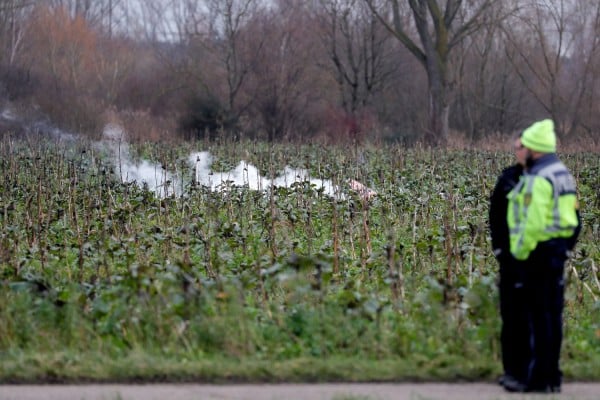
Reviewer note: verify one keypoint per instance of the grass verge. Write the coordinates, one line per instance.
(64, 367)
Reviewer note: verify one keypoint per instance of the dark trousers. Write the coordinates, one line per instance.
(544, 300)
(514, 334)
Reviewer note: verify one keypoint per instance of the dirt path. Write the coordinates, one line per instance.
(402, 391)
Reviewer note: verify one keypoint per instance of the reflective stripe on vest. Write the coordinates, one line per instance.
(562, 183)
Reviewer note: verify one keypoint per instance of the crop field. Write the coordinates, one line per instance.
(106, 277)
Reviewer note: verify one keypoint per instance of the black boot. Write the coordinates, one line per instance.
(513, 385)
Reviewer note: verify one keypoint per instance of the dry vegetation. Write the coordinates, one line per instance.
(325, 70)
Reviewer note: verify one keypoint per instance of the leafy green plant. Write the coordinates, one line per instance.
(90, 265)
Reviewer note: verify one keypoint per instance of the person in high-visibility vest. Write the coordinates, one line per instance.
(544, 223)
(514, 334)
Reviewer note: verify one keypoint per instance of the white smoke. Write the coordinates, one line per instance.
(8, 114)
(242, 175)
(247, 175)
(11, 120)
(145, 173)
(164, 183)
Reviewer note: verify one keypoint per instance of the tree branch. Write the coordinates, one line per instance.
(397, 30)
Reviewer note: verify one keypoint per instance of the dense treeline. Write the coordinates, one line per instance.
(333, 70)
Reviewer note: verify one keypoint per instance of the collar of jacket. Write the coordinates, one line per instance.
(542, 162)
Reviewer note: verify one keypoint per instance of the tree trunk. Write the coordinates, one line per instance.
(436, 133)
(433, 48)
(439, 111)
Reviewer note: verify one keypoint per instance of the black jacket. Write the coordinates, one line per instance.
(498, 207)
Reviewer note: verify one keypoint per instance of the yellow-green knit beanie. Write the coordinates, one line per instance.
(540, 137)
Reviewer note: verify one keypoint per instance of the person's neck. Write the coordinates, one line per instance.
(537, 155)
(534, 157)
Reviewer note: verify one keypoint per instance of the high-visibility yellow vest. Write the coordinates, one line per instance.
(542, 206)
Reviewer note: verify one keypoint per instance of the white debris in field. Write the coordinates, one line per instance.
(363, 191)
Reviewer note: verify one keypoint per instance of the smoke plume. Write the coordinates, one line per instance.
(164, 183)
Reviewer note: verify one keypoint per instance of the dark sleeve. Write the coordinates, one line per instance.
(498, 207)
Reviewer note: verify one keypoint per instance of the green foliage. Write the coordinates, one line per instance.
(89, 265)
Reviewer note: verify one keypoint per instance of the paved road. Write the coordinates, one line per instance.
(402, 391)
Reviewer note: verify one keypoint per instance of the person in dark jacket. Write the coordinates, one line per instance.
(514, 334)
(544, 223)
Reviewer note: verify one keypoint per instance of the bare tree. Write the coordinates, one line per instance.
(174, 21)
(13, 25)
(145, 19)
(555, 45)
(215, 30)
(588, 54)
(439, 29)
(97, 13)
(489, 97)
(281, 79)
(357, 48)
(230, 17)
(206, 46)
